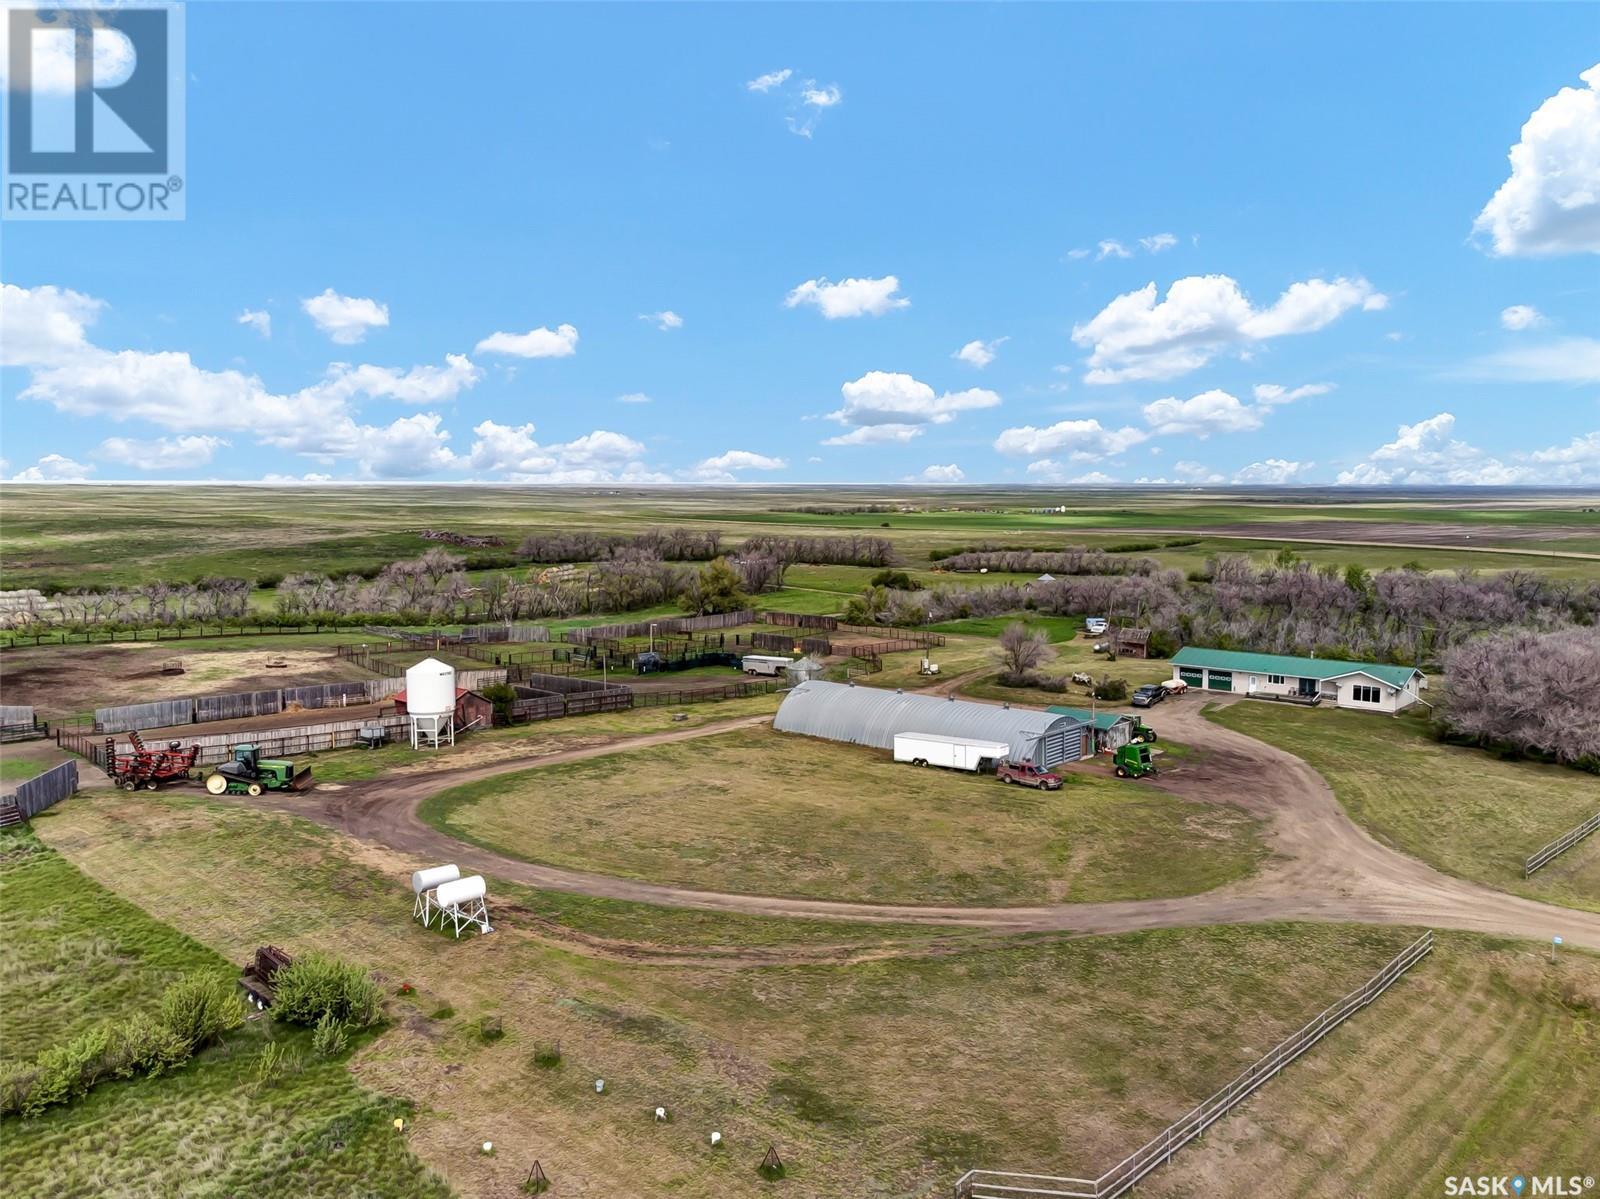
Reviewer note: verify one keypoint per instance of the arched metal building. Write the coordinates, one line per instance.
(873, 715)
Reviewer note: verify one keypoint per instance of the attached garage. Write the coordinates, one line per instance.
(1365, 686)
(873, 716)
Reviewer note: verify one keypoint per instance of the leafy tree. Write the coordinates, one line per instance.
(717, 589)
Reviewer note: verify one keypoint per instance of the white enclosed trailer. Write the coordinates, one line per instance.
(765, 664)
(955, 753)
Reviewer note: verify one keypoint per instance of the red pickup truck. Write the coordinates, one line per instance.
(1027, 774)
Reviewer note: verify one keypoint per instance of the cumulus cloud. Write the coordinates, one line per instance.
(722, 468)
(1138, 337)
(876, 435)
(1550, 204)
(1564, 360)
(53, 468)
(828, 96)
(345, 319)
(1084, 440)
(1213, 411)
(980, 353)
(665, 320)
(161, 453)
(258, 320)
(1520, 316)
(1428, 452)
(849, 297)
(561, 342)
(1158, 242)
(44, 325)
(511, 452)
(1048, 471)
(1272, 470)
(634, 397)
(772, 79)
(950, 473)
(1275, 395)
(892, 398)
(1112, 248)
(423, 384)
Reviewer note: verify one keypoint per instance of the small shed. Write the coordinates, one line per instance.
(1129, 642)
(1112, 730)
(473, 711)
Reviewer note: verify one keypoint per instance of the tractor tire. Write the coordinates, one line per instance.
(151, 785)
(253, 790)
(216, 784)
(1122, 772)
(129, 785)
(1150, 737)
(1154, 772)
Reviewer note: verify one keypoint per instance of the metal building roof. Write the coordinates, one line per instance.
(1309, 668)
(873, 715)
(1100, 720)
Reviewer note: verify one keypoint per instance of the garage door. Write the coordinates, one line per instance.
(1061, 745)
(1219, 680)
(1192, 675)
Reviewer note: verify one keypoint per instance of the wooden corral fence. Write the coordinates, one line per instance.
(669, 624)
(918, 638)
(42, 791)
(559, 696)
(1003, 1184)
(19, 723)
(18, 638)
(1545, 853)
(284, 743)
(783, 642)
(800, 620)
(698, 695)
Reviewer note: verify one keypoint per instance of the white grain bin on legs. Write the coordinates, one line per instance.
(431, 702)
(423, 883)
(461, 902)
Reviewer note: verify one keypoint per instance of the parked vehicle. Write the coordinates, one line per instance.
(764, 664)
(251, 774)
(953, 753)
(1148, 696)
(1175, 687)
(1143, 733)
(1095, 625)
(146, 767)
(1134, 761)
(1027, 774)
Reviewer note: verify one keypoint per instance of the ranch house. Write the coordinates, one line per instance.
(1366, 686)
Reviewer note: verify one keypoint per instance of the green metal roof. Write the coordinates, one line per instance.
(1308, 668)
(1100, 720)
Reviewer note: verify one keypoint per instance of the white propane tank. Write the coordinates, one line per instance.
(460, 891)
(427, 880)
(430, 688)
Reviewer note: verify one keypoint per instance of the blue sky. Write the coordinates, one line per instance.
(990, 243)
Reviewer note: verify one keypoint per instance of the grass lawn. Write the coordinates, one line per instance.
(77, 955)
(1057, 628)
(1461, 810)
(882, 1076)
(761, 812)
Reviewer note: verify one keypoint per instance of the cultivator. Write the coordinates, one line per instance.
(146, 767)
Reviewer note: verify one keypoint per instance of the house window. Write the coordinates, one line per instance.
(1275, 679)
(1364, 695)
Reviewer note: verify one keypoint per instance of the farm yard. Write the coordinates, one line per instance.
(889, 975)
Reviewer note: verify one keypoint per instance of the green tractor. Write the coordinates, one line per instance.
(1142, 732)
(251, 774)
(1134, 761)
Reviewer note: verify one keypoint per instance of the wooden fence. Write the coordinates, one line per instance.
(1543, 855)
(698, 695)
(17, 638)
(280, 743)
(669, 624)
(800, 620)
(1002, 1184)
(39, 793)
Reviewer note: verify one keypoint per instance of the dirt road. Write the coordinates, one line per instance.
(1323, 866)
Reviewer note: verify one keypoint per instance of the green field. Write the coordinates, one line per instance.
(1461, 810)
(766, 813)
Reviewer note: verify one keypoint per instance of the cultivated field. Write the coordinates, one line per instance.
(766, 813)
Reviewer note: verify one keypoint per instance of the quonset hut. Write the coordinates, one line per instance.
(872, 716)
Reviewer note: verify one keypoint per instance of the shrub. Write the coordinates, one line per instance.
(315, 985)
(66, 1072)
(331, 1038)
(895, 580)
(199, 1008)
(1110, 689)
(275, 1062)
(16, 1082)
(144, 1045)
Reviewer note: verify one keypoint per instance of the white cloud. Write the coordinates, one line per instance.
(1566, 360)
(277, 480)
(892, 398)
(772, 79)
(1157, 242)
(53, 468)
(1077, 254)
(1137, 337)
(258, 320)
(1272, 470)
(980, 353)
(1429, 453)
(721, 468)
(417, 385)
(53, 58)
(1085, 440)
(665, 320)
(345, 319)
(561, 342)
(876, 435)
(1047, 471)
(849, 297)
(634, 397)
(1550, 204)
(162, 453)
(950, 473)
(821, 97)
(1275, 395)
(44, 325)
(1520, 316)
(1112, 248)
(1213, 411)
(406, 448)
(599, 457)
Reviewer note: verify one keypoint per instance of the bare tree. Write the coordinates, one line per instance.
(1022, 650)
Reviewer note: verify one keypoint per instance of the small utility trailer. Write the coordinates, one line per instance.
(953, 753)
(764, 664)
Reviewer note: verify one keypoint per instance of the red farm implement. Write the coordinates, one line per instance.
(146, 767)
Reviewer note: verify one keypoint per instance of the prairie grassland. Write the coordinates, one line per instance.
(881, 1076)
(769, 813)
(1461, 810)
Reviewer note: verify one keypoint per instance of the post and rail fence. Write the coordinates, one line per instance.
(1004, 1184)
(1546, 853)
